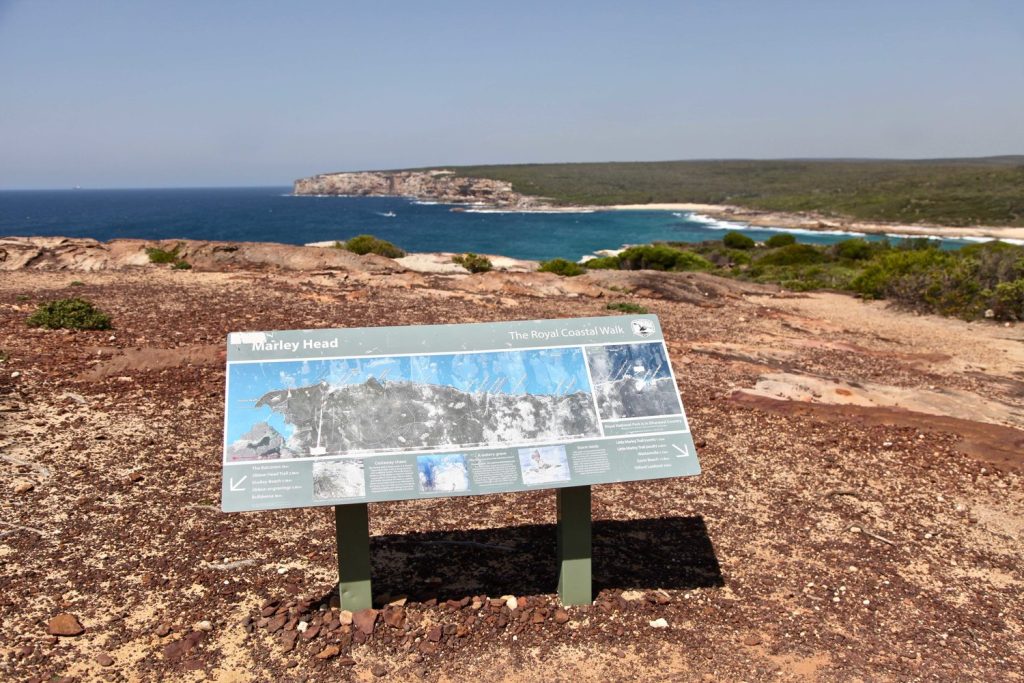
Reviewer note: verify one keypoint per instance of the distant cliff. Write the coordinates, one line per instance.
(434, 185)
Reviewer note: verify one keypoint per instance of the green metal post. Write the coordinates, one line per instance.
(352, 530)
(574, 577)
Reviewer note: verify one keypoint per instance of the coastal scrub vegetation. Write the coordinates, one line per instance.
(561, 266)
(978, 191)
(368, 244)
(626, 307)
(474, 263)
(171, 256)
(979, 280)
(69, 314)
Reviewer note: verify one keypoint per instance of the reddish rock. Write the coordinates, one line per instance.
(179, 648)
(364, 620)
(379, 670)
(288, 639)
(434, 634)
(394, 617)
(163, 629)
(752, 639)
(328, 652)
(65, 624)
(346, 661)
(103, 659)
(310, 633)
(561, 616)
(277, 623)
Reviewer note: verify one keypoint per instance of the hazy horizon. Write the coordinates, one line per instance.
(120, 95)
(271, 185)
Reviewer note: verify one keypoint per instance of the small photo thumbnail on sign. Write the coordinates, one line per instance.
(333, 480)
(544, 464)
(443, 473)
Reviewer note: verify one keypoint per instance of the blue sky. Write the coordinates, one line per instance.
(146, 94)
(540, 371)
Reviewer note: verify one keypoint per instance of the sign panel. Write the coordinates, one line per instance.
(328, 417)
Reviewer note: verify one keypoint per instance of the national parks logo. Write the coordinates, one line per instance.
(642, 328)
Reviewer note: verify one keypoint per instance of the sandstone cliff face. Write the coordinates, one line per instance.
(75, 254)
(435, 185)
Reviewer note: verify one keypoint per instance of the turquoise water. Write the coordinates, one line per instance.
(273, 215)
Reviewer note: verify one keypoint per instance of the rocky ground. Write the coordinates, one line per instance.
(860, 514)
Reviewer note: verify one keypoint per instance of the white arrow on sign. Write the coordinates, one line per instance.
(684, 452)
(236, 485)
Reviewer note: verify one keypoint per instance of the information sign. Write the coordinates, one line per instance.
(352, 416)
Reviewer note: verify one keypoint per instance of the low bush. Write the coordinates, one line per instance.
(561, 266)
(727, 258)
(626, 307)
(603, 263)
(158, 255)
(793, 255)
(368, 244)
(661, 257)
(182, 265)
(879, 278)
(474, 263)
(1007, 301)
(857, 249)
(70, 314)
(737, 240)
(782, 239)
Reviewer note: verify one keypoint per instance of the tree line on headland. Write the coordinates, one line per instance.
(954, 192)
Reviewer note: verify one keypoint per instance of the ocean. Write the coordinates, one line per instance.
(272, 214)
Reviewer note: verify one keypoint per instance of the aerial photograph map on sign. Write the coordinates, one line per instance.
(323, 417)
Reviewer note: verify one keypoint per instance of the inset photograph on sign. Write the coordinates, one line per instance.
(338, 479)
(632, 380)
(447, 473)
(544, 465)
(310, 408)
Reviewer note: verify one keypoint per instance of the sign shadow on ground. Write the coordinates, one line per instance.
(673, 553)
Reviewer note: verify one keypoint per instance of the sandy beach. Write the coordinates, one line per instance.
(775, 219)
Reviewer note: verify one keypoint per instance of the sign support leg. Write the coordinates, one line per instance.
(574, 546)
(352, 530)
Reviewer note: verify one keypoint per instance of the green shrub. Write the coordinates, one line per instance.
(368, 244)
(1007, 301)
(182, 265)
(782, 239)
(856, 249)
(603, 263)
(71, 314)
(661, 257)
(561, 266)
(793, 255)
(737, 240)
(727, 258)
(626, 307)
(879, 277)
(158, 255)
(474, 263)
(76, 283)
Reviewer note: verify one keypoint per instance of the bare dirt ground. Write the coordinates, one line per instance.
(859, 518)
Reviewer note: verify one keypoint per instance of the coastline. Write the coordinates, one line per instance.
(811, 222)
(485, 195)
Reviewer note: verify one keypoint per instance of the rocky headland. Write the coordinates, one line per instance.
(859, 516)
(438, 185)
(445, 187)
